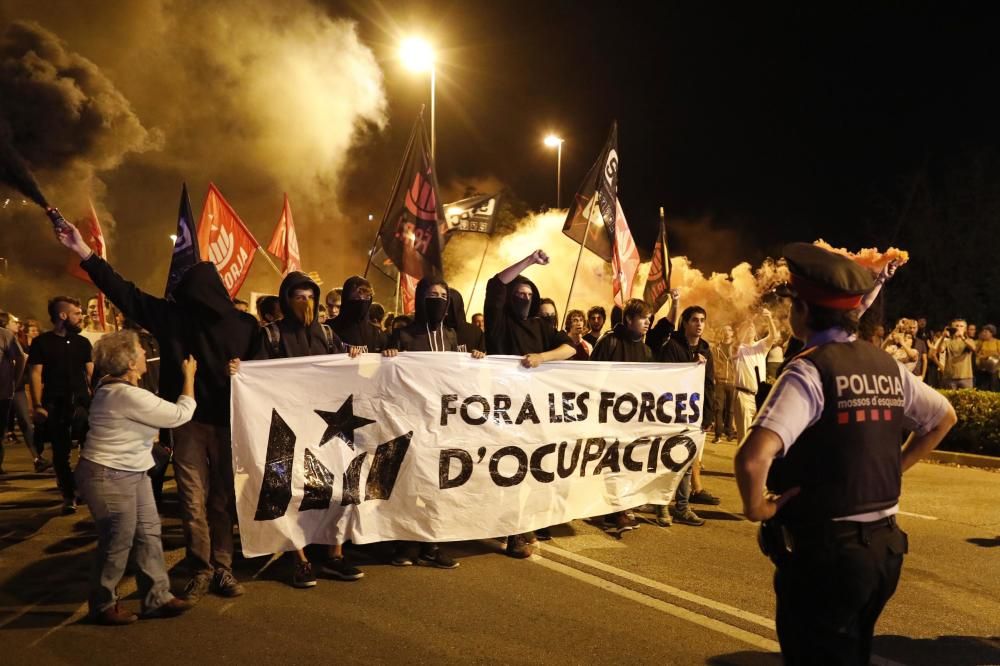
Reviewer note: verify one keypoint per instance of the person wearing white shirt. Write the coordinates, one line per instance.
(112, 478)
(751, 369)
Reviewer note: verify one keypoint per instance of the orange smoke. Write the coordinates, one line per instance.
(870, 257)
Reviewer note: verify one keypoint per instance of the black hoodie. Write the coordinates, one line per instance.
(295, 338)
(470, 338)
(201, 321)
(619, 345)
(677, 350)
(506, 333)
(357, 331)
(420, 336)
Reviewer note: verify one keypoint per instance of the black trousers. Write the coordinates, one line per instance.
(58, 429)
(832, 588)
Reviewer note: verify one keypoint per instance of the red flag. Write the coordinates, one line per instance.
(625, 261)
(284, 243)
(225, 240)
(658, 282)
(90, 229)
(408, 289)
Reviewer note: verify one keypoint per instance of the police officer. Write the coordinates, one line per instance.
(822, 466)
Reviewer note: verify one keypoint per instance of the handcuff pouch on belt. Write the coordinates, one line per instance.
(775, 541)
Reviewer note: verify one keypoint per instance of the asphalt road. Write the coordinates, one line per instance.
(678, 595)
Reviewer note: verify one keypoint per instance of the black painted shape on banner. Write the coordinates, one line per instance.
(319, 484)
(385, 467)
(690, 449)
(444, 467)
(342, 422)
(352, 481)
(276, 489)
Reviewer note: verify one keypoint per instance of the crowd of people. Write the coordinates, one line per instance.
(150, 385)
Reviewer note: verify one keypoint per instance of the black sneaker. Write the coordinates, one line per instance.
(435, 557)
(518, 547)
(303, 576)
(69, 507)
(704, 497)
(688, 517)
(225, 584)
(633, 522)
(543, 534)
(405, 554)
(41, 464)
(341, 569)
(196, 588)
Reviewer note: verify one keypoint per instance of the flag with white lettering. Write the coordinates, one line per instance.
(225, 240)
(438, 446)
(186, 252)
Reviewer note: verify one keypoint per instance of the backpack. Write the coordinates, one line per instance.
(274, 340)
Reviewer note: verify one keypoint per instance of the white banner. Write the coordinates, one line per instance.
(443, 447)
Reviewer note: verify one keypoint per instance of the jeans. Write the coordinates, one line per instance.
(746, 410)
(725, 399)
(5, 415)
(957, 383)
(126, 519)
(684, 489)
(203, 468)
(23, 417)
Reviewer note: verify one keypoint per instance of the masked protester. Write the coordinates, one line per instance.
(513, 327)
(300, 333)
(200, 321)
(548, 312)
(470, 337)
(428, 332)
(352, 324)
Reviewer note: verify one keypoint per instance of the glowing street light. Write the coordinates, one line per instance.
(552, 141)
(418, 56)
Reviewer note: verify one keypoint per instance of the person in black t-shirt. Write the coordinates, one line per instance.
(61, 369)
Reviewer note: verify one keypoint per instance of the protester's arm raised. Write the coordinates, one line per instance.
(512, 271)
(150, 312)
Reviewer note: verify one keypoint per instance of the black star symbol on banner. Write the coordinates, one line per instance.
(342, 422)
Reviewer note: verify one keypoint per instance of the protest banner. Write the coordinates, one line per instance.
(436, 446)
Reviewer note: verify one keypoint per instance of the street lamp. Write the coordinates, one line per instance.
(552, 141)
(418, 56)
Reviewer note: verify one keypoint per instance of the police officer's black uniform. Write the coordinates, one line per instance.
(833, 577)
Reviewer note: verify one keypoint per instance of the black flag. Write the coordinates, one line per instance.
(658, 283)
(186, 252)
(596, 200)
(411, 230)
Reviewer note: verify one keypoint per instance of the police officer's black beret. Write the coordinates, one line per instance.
(826, 278)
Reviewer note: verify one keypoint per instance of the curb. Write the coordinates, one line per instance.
(964, 459)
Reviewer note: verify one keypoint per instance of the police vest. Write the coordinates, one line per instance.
(848, 462)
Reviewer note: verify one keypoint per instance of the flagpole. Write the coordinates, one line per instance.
(576, 268)
(482, 261)
(273, 265)
(395, 298)
(395, 188)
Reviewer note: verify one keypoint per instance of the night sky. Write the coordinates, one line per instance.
(777, 121)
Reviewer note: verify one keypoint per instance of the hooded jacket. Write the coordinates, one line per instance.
(201, 321)
(354, 330)
(420, 336)
(296, 339)
(506, 333)
(619, 345)
(677, 350)
(470, 338)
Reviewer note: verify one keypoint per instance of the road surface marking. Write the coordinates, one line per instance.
(662, 606)
(918, 515)
(663, 587)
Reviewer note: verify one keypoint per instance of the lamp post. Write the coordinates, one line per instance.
(418, 56)
(552, 141)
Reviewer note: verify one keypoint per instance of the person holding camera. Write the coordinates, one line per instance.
(959, 351)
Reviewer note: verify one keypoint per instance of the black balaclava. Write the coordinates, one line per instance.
(435, 308)
(354, 310)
